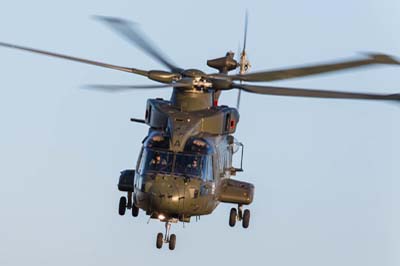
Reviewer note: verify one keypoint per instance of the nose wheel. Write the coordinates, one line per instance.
(239, 215)
(168, 239)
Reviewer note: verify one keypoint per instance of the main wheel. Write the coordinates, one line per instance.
(172, 242)
(122, 206)
(160, 240)
(135, 210)
(246, 218)
(232, 217)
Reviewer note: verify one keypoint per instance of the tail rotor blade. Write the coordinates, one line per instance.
(238, 99)
(243, 62)
(246, 23)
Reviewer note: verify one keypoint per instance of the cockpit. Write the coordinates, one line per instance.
(194, 162)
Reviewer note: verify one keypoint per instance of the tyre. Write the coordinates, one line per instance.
(135, 210)
(159, 241)
(172, 242)
(122, 206)
(246, 219)
(232, 217)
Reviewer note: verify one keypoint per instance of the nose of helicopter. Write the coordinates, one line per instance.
(169, 195)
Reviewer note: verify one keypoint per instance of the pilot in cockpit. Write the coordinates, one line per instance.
(193, 167)
(157, 161)
(193, 164)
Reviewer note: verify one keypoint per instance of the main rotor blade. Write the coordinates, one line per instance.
(282, 91)
(132, 33)
(315, 69)
(116, 88)
(76, 59)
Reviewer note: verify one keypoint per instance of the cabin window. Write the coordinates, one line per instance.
(227, 159)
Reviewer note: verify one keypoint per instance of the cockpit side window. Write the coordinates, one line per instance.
(208, 174)
(139, 162)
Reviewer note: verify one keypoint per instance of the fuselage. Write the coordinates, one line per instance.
(185, 164)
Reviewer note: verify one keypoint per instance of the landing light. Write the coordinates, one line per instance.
(161, 217)
(175, 198)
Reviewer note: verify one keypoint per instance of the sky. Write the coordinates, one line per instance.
(326, 171)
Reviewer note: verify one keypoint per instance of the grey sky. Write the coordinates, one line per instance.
(326, 171)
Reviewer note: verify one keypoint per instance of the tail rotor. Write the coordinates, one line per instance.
(244, 63)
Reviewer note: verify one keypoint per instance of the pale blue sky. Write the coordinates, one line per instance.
(326, 171)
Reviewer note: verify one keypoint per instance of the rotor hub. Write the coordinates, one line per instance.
(193, 73)
(196, 78)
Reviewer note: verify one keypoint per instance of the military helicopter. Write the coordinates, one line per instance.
(185, 166)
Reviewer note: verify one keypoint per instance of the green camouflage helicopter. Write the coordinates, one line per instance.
(185, 166)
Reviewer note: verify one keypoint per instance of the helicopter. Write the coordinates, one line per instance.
(185, 166)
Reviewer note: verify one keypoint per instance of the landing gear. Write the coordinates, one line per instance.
(135, 210)
(232, 217)
(239, 215)
(159, 241)
(170, 239)
(172, 242)
(122, 206)
(246, 219)
(126, 203)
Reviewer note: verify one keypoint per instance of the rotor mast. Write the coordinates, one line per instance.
(192, 100)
